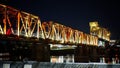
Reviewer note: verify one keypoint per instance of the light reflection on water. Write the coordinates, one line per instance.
(62, 59)
(70, 59)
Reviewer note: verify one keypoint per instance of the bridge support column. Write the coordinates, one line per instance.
(86, 53)
(81, 54)
(41, 52)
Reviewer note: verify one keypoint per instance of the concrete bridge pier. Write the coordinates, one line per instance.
(41, 52)
(86, 53)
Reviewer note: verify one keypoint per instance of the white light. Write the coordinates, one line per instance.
(27, 66)
(118, 45)
(6, 65)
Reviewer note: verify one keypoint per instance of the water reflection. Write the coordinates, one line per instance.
(62, 59)
(71, 59)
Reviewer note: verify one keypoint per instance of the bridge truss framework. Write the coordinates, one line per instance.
(20, 23)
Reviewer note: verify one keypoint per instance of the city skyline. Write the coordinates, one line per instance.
(75, 14)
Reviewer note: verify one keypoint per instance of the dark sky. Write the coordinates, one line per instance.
(74, 13)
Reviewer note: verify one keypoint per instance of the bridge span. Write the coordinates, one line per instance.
(24, 35)
(20, 23)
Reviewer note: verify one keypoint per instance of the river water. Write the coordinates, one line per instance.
(70, 58)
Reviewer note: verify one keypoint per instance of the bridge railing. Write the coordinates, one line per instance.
(34, 64)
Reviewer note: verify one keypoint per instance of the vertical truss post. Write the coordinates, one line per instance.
(18, 24)
(5, 19)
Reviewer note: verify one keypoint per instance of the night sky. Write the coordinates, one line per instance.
(74, 13)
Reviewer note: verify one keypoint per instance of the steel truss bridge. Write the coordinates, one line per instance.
(23, 24)
(27, 35)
